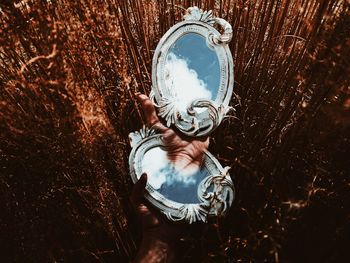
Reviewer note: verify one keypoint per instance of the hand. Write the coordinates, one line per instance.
(160, 236)
(185, 152)
(152, 221)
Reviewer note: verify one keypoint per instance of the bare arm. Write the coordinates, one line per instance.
(160, 236)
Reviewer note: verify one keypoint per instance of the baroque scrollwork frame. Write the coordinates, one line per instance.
(215, 192)
(193, 122)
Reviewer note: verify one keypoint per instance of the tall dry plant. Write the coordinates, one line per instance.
(68, 72)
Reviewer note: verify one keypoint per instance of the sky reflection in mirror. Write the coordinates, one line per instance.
(192, 69)
(176, 185)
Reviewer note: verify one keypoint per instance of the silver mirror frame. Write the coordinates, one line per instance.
(193, 123)
(215, 202)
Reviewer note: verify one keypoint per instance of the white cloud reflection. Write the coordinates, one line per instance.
(159, 170)
(184, 81)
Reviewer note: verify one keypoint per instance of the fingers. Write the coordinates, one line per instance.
(160, 128)
(148, 109)
(206, 143)
(137, 193)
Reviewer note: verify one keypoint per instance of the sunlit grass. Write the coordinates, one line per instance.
(68, 73)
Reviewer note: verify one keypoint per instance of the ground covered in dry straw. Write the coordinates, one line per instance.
(68, 72)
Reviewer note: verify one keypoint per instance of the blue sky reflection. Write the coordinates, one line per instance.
(174, 184)
(192, 69)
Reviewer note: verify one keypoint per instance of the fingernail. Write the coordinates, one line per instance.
(143, 176)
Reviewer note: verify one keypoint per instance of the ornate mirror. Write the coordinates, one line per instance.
(192, 85)
(192, 73)
(181, 194)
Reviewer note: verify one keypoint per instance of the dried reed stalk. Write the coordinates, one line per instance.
(68, 71)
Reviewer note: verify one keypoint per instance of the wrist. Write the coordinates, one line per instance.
(155, 249)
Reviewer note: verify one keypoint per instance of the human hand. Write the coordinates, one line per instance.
(153, 223)
(160, 236)
(183, 151)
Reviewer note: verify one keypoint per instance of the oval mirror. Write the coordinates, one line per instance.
(192, 74)
(182, 194)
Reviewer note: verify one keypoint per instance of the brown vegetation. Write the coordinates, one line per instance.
(68, 71)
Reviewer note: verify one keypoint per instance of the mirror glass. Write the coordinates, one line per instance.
(176, 184)
(192, 70)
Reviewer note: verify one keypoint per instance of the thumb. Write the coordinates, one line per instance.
(138, 190)
(148, 109)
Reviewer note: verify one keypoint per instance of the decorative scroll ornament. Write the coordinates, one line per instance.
(190, 213)
(137, 136)
(167, 110)
(215, 202)
(194, 13)
(221, 195)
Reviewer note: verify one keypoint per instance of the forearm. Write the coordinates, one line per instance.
(154, 250)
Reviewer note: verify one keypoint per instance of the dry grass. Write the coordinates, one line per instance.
(68, 71)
